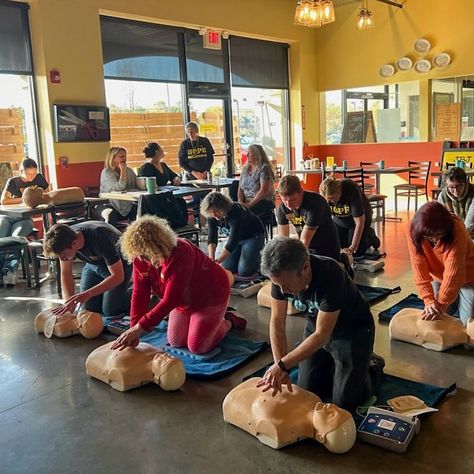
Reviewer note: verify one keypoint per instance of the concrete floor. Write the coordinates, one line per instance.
(55, 419)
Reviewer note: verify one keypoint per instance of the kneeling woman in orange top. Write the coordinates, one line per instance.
(193, 289)
(442, 257)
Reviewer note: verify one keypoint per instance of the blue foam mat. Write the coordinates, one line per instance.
(411, 301)
(235, 352)
(373, 294)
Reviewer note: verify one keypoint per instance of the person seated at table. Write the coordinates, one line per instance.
(457, 195)
(196, 154)
(352, 215)
(154, 167)
(442, 258)
(256, 182)
(117, 176)
(17, 226)
(241, 253)
(193, 289)
(310, 215)
(106, 275)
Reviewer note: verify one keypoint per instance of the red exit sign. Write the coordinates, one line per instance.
(212, 40)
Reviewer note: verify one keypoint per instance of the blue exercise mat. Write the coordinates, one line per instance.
(373, 294)
(411, 301)
(235, 352)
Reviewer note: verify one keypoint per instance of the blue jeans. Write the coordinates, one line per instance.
(464, 302)
(113, 302)
(245, 258)
(16, 227)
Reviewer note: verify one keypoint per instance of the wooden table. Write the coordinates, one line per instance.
(20, 211)
(134, 194)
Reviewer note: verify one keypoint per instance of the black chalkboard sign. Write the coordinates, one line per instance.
(359, 128)
(81, 123)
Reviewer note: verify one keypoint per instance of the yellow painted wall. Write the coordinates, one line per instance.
(66, 36)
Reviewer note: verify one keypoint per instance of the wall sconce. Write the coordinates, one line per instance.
(364, 18)
(314, 13)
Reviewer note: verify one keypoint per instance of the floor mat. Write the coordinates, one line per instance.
(235, 352)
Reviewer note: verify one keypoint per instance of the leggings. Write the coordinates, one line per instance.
(198, 329)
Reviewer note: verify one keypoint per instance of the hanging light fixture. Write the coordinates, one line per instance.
(364, 18)
(314, 13)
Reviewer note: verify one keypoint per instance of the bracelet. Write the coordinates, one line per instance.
(282, 366)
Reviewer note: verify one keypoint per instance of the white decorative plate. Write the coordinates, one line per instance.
(423, 65)
(422, 45)
(404, 64)
(441, 60)
(387, 70)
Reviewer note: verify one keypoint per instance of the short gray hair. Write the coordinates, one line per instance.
(191, 125)
(283, 254)
(215, 202)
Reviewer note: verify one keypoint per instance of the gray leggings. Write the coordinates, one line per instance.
(464, 302)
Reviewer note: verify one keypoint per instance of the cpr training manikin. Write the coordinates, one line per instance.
(86, 323)
(133, 367)
(34, 197)
(288, 417)
(438, 335)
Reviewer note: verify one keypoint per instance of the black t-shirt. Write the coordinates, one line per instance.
(313, 212)
(242, 223)
(352, 203)
(16, 186)
(196, 156)
(162, 179)
(101, 243)
(331, 289)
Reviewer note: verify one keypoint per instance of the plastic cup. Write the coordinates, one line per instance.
(151, 185)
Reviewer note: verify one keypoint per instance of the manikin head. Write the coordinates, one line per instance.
(291, 192)
(33, 196)
(334, 427)
(286, 262)
(90, 324)
(168, 372)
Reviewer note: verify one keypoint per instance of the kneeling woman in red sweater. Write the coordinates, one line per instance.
(193, 289)
(442, 258)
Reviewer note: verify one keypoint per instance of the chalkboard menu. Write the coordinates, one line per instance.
(359, 128)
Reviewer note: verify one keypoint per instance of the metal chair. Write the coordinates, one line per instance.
(19, 247)
(417, 183)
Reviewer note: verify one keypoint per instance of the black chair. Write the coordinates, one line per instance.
(71, 213)
(37, 256)
(377, 201)
(19, 247)
(417, 183)
(269, 222)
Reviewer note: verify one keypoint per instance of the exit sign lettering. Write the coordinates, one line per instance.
(212, 40)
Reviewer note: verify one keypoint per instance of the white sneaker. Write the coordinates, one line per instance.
(9, 278)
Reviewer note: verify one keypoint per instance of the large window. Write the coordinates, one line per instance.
(18, 134)
(393, 110)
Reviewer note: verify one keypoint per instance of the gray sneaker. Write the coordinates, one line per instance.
(9, 278)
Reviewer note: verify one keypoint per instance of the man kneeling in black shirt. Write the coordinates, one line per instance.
(335, 357)
(105, 277)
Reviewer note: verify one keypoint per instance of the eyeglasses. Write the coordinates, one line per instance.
(455, 187)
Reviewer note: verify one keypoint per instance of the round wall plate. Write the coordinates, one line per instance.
(423, 65)
(404, 64)
(441, 60)
(387, 70)
(422, 45)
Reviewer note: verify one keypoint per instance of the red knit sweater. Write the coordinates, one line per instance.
(452, 266)
(187, 278)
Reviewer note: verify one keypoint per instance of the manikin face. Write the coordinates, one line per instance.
(192, 133)
(328, 414)
(120, 157)
(456, 188)
(30, 173)
(291, 282)
(293, 201)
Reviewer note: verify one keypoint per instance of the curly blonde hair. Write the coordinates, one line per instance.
(148, 237)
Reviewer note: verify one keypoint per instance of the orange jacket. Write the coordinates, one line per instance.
(452, 266)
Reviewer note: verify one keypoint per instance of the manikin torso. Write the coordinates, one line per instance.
(134, 367)
(438, 335)
(288, 417)
(33, 197)
(86, 323)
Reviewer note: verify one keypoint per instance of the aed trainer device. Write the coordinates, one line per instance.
(388, 429)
